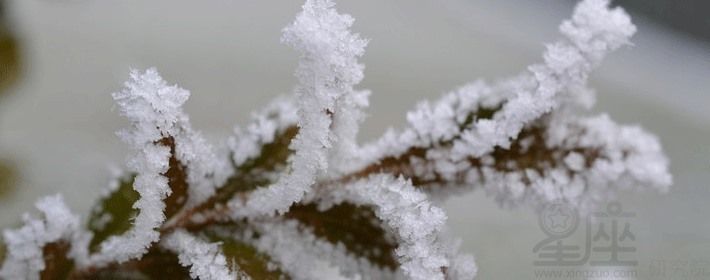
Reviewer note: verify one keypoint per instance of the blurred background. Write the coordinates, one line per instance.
(60, 60)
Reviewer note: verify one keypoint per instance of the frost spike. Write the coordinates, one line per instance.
(327, 71)
(161, 136)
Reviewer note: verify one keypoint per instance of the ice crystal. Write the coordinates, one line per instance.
(205, 260)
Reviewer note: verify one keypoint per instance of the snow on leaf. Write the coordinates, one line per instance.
(497, 136)
(206, 260)
(302, 255)
(259, 170)
(523, 99)
(248, 259)
(256, 171)
(51, 243)
(415, 222)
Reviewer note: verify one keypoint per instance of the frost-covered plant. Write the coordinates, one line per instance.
(293, 194)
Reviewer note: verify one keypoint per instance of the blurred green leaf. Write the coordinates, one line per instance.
(9, 57)
(8, 178)
(57, 264)
(113, 215)
(2, 252)
(356, 227)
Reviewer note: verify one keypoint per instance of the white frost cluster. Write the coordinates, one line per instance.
(205, 260)
(25, 245)
(327, 71)
(154, 110)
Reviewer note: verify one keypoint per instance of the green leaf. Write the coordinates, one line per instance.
(10, 58)
(8, 178)
(114, 214)
(57, 264)
(249, 260)
(356, 227)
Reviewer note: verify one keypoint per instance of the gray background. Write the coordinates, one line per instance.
(57, 124)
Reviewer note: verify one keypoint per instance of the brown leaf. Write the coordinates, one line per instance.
(57, 264)
(156, 264)
(177, 180)
(356, 227)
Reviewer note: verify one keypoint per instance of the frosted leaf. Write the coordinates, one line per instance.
(355, 227)
(113, 214)
(205, 260)
(499, 136)
(25, 257)
(159, 130)
(326, 72)
(581, 160)
(302, 255)
(414, 220)
(593, 31)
